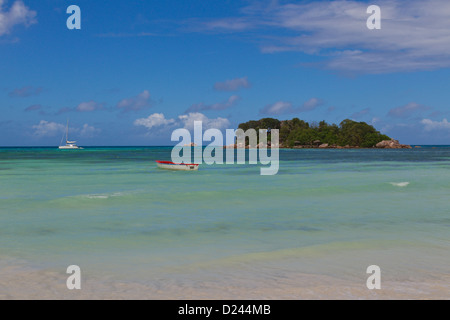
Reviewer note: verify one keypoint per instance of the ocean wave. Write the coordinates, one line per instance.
(399, 184)
(96, 196)
(103, 195)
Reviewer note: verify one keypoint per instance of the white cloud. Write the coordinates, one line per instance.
(375, 120)
(430, 125)
(18, 14)
(311, 104)
(136, 103)
(279, 107)
(414, 35)
(25, 92)
(89, 106)
(216, 106)
(89, 131)
(159, 121)
(154, 120)
(232, 85)
(34, 107)
(283, 107)
(48, 129)
(222, 25)
(407, 110)
(188, 121)
(51, 129)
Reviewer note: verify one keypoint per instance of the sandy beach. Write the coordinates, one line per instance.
(19, 282)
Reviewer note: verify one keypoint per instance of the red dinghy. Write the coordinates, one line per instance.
(176, 166)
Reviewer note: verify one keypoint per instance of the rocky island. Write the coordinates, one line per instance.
(348, 134)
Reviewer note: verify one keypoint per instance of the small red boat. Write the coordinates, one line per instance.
(177, 166)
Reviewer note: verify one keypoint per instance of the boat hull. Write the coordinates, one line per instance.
(176, 166)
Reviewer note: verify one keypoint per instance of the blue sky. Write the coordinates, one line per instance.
(137, 70)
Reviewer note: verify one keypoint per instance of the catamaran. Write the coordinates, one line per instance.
(70, 145)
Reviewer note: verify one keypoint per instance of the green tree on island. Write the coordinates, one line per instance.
(299, 132)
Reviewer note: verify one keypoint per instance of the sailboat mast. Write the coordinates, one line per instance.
(67, 131)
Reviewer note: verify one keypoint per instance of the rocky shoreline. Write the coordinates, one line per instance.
(385, 144)
(392, 144)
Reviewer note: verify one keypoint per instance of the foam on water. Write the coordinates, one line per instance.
(400, 184)
(103, 196)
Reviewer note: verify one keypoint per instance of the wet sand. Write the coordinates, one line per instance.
(21, 282)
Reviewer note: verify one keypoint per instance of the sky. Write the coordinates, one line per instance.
(137, 70)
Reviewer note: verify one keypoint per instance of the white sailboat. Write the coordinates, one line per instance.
(70, 145)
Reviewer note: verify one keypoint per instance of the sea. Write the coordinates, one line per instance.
(225, 231)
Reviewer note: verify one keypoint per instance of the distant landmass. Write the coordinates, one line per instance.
(297, 133)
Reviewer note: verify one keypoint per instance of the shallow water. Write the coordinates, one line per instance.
(136, 230)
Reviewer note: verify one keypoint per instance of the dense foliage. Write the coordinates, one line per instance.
(298, 132)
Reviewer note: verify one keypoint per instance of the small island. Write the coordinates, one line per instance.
(348, 134)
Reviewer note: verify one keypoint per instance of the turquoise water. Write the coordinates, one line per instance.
(327, 212)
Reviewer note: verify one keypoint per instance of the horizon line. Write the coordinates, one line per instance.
(140, 146)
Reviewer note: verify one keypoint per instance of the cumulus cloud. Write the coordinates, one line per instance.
(159, 121)
(36, 108)
(232, 85)
(154, 120)
(48, 129)
(277, 108)
(88, 131)
(407, 110)
(430, 125)
(51, 129)
(188, 121)
(283, 107)
(216, 106)
(414, 35)
(33, 107)
(311, 104)
(139, 102)
(25, 92)
(18, 14)
(375, 120)
(223, 25)
(89, 106)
